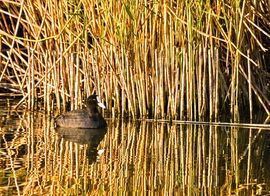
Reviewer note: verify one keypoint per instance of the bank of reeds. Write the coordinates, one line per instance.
(178, 59)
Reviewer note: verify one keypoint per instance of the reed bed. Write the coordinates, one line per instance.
(177, 59)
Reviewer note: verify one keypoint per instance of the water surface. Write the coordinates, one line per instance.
(130, 157)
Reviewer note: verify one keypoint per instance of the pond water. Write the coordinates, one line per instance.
(139, 157)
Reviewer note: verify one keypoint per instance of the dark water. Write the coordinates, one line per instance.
(130, 157)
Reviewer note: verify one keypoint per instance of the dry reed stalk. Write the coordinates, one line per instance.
(210, 88)
(200, 82)
(259, 95)
(217, 82)
(249, 90)
(182, 85)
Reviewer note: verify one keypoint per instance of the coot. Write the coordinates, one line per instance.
(88, 117)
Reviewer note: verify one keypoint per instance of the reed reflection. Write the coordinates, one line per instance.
(139, 156)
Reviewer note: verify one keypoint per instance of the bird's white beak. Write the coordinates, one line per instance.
(99, 103)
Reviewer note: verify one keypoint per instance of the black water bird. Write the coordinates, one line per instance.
(87, 118)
